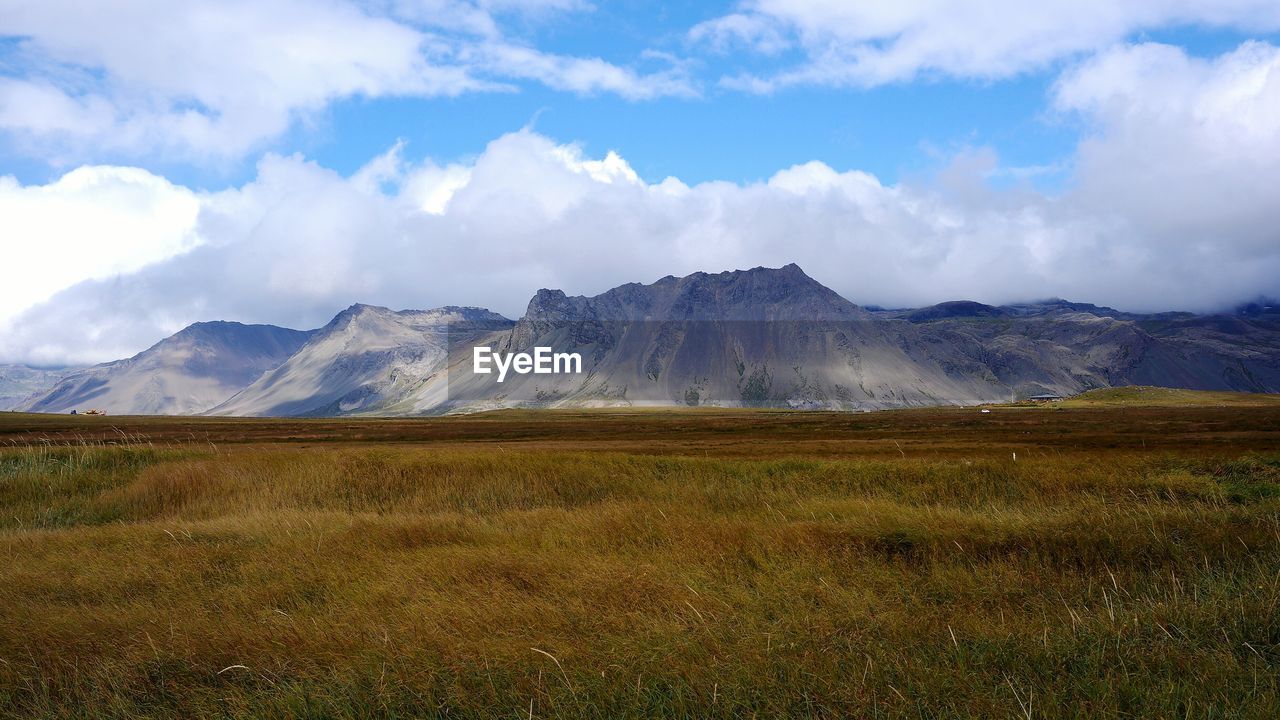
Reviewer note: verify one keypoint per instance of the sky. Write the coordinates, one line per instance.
(164, 162)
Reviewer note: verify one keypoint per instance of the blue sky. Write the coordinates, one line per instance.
(906, 153)
(727, 136)
(892, 130)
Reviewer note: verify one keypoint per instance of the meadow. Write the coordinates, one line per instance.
(1113, 559)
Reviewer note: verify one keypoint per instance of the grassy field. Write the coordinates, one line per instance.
(1140, 395)
(1086, 562)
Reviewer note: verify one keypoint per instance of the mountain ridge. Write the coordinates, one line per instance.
(362, 360)
(185, 373)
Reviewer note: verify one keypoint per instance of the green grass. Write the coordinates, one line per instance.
(1142, 395)
(598, 565)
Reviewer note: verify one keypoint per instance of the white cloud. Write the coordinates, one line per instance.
(1185, 148)
(201, 80)
(1170, 206)
(581, 75)
(195, 78)
(431, 187)
(478, 16)
(754, 31)
(94, 222)
(871, 43)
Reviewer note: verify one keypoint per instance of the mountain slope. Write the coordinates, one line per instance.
(184, 374)
(365, 360)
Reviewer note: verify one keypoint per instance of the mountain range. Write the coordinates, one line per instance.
(760, 337)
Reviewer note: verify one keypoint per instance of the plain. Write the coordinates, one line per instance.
(647, 564)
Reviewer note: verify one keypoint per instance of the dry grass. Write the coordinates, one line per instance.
(573, 565)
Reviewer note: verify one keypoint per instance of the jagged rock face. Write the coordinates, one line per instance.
(758, 295)
(185, 374)
(366, 360)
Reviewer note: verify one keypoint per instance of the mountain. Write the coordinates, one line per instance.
(366, 360)
(1065, 348)
(19, 382)
(759, 337)
(760, 294)
(956, 309)
(186, 373)
(751, 337)
(776, 337)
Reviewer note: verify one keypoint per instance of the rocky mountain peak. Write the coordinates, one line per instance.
(785, 293)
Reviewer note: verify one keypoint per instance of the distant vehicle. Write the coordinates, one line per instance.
(985, 410)
(95, 412)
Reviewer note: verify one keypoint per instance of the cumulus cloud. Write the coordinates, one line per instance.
(1182, 146)
(864, 44)
(1170, 206)
(93, 222)
(213, 79)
